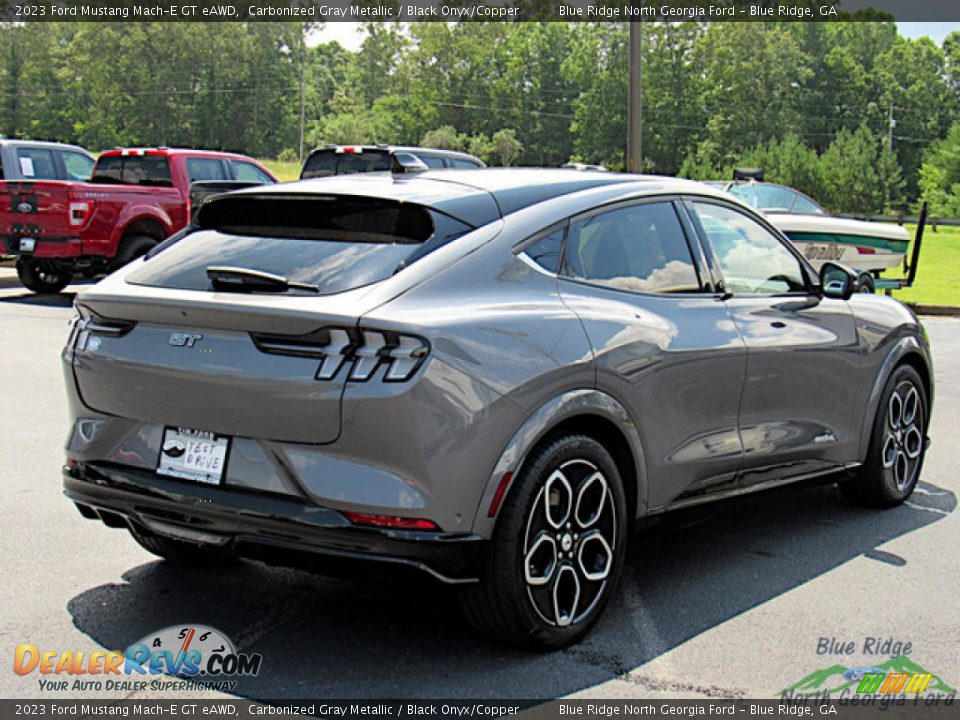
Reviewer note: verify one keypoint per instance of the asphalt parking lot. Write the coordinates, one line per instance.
(734, 605)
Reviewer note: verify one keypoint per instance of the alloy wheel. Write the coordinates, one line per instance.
(903, 436)
(569, 543)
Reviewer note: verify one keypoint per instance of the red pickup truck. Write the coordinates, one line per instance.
(135, 198)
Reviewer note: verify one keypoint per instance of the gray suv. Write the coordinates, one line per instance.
(488, 376)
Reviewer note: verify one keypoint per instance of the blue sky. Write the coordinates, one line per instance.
(348, 33)
(936, 31)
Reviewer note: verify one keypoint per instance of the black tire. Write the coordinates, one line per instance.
(526, 578)
(42, 276)
(178, 551)
(897, 444)
(865, 284)
(132, 247)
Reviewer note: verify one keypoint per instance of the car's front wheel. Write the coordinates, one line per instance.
(897, 444)
(558, 548)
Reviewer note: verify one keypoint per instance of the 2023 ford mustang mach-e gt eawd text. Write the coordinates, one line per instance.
(490, 376)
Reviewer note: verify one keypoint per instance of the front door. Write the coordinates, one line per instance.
(802, 351)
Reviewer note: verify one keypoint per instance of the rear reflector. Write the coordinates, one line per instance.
(866, 250)
(498, 495)
(390, 521)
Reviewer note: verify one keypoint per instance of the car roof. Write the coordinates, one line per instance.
(170, 152)
(44, 144)
(398, 148)
(477, 196)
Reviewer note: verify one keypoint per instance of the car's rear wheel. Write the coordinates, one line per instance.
(897, 444)
(42, 276)
(178, 551)
(558, 548)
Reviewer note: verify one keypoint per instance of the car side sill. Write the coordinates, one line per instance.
(750, 489)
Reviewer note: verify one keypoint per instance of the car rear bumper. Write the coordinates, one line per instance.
(260, 525)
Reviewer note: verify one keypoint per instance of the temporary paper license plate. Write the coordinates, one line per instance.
(193, 455)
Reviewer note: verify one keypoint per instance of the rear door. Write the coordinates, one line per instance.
(663, 343)
(247, 172)
(77, 166)
(802, 350)
(202, 169)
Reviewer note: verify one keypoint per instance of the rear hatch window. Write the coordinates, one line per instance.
(152, 170)
(332, 243)
(333, 161)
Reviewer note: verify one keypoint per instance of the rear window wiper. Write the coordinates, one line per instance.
(236, 279)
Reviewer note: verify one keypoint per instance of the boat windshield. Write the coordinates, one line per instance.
(774, 198)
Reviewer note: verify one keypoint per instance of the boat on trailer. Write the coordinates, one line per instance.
(868, 247)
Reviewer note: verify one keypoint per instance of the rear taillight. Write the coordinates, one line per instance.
(362, 352)
(80, 212)
(390, 521)
(86, 331)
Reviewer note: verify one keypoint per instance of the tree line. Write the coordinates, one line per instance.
(852, 113)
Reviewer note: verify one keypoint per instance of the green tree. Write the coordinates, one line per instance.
(789, 162)
(750, 78)
(444, 138)
(940, 175)
(479, 146)
(598, 64)
(504, 145)
(852, 169)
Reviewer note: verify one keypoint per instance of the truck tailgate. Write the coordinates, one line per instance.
(34, 215)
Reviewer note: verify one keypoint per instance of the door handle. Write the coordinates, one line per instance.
(778, 324)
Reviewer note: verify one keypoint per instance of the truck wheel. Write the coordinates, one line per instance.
(131, 248)
(42, 276)
(557, 550)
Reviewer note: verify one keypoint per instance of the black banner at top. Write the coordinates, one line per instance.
(478, 11)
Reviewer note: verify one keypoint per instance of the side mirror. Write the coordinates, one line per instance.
(404, 162)
(837, 280)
